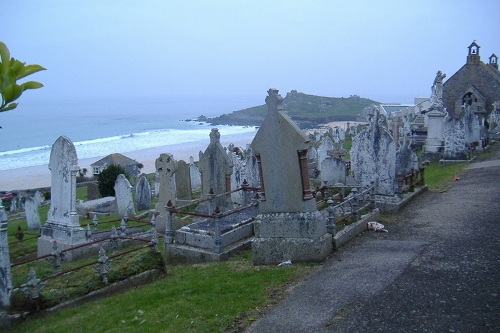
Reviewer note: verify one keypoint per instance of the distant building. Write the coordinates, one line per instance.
(476, 84)
(130, 165)
(397, 110)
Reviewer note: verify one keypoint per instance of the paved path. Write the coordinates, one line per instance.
(436, 270)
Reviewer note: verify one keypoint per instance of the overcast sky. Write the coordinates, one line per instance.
(389, 51)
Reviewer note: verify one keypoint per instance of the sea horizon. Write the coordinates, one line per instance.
(99, 128)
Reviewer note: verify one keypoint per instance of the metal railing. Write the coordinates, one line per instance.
(349, 208)
(213, 212)
(410, 181)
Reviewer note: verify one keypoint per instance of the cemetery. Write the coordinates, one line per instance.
(288, 197)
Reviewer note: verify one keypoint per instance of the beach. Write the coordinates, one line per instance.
(39, 176)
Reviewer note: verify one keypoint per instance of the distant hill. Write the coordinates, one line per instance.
(308, 111)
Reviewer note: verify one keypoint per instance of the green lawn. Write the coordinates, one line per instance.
(192, 298)
(438, 178)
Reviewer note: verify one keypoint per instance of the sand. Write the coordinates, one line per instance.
(39, 176)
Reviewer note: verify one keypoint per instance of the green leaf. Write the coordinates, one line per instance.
(11, 106)
(4, 54)
(11, 92)
(28, 70)
(16, 67)
(31, 85)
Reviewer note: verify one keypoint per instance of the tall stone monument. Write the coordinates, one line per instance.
(373, 157)
(166, 167)
(288, 227)
(62, 219)
(216, 168)
(434, 144)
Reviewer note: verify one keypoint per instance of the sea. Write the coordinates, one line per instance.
(101, 126)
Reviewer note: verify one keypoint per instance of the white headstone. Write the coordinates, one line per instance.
(32, 216)
(194, 173)
(123, 196)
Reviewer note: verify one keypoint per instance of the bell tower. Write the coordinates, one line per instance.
(494, 61)
(473, 56)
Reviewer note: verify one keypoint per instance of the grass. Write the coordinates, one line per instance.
(438, 178)
(76, 284)
(192, 298)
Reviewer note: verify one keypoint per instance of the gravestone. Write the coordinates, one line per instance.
(251, 168)
(143, 193)
(194, 174)
(373, 157)
(471, 126)
(13, 205)
(38, 197)
(454, 139)
(156, 184)
(216, 169)
(333, 171)
(406, 160)
(123, 196)
(166, 166)
(93, 191)
(237, 177)
(5, 271)
(32, 215)
(183, 181)
(62, 219)
(325, 146)
(341, 134)
(288, 227)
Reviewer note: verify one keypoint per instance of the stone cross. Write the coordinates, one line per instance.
(166, 166)
(216, 169)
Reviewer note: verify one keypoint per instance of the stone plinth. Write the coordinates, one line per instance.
(434, 144)
(196, 242)
(290, 236)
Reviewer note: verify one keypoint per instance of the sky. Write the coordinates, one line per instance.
(388, 51)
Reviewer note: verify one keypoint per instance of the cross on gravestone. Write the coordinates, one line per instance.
(216, 168)
(166, 166)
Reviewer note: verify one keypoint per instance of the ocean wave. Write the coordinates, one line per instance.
(118, 144)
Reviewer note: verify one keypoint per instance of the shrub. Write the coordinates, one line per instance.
(107, 179)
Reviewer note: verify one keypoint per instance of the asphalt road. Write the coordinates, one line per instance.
(436, 270)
